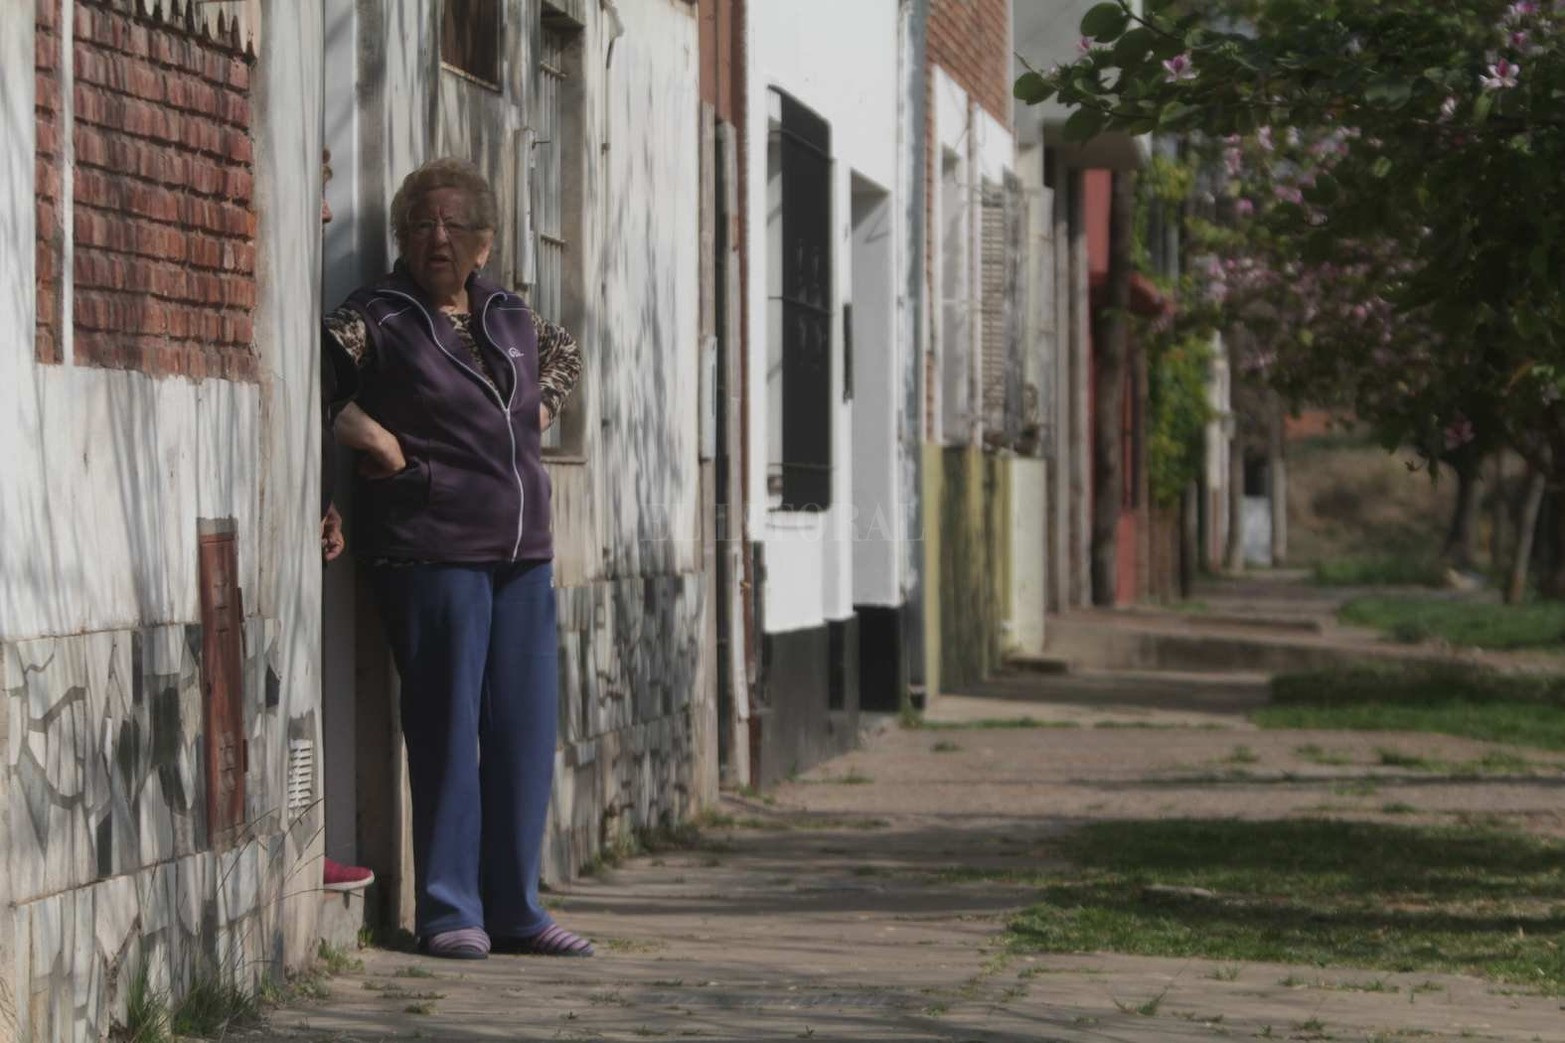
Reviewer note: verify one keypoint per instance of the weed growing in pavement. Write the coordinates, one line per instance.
(1227, 972)
(944, 746)
(146, 1012)
(1243, 755)
(1361, 894)
(990, 724)
(413, 970)
(212, 1007)
(1146, 1009)
(335, 960)
(1314, 753)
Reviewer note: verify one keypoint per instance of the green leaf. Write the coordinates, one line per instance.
(1084, 125)
(1105, 22)
(1382, 167)
(1483, 106)
(1174, 112)
(1390, 94)
(1134, 46)
(1032, 89)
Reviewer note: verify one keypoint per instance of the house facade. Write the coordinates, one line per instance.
(159, 438)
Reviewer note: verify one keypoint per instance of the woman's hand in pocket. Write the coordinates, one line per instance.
(383, 458)
(380, 454)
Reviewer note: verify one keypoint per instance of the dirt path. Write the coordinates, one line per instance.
(824, 915)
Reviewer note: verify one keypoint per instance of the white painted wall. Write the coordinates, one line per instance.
(1029, 528)
(849, 76)
(878, 358)
(17, 304)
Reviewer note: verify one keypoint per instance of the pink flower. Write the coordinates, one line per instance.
(1244, 207)
(1265, 139)
(1234, 160)
(1084, 45)
(1459, 433)
(1520, 10)
(1180, 68)
(1288, 193)
(1503, 75)
(1448, 109)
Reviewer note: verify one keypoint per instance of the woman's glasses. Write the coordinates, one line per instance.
(426, 229)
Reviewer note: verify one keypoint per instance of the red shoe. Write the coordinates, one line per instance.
(337, 877)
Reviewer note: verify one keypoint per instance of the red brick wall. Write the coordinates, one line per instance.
(163, 219)
(971, 40)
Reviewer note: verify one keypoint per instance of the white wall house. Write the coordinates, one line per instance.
(828, 342)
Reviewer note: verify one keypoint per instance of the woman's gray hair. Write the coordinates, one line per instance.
(446, 172)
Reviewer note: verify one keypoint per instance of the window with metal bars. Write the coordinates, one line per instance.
(470, 33)
(799, 307)
(557, 122)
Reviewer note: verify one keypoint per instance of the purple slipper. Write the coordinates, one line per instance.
(464, 943)
(553, 940)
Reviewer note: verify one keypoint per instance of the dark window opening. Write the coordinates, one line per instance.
(800, 307)
(470, 32)
(1255, 476)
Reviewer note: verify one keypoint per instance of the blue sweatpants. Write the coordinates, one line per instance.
(475, 646)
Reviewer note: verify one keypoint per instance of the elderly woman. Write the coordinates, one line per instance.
(457, 379)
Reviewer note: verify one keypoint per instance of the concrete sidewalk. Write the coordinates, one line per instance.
(825, 915)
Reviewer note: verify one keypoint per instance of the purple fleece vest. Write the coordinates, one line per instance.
(474, 489)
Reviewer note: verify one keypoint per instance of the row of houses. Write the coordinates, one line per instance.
(832, 452)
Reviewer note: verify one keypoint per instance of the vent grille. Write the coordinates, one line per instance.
(301, 775)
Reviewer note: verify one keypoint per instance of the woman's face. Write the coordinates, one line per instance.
(443, 245)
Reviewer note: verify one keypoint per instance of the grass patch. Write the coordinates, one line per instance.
(944, 746)
(1448, 699)
(1381, 570)
(335, 960)
(212, 1008)
(1469, 624)
(1377, 896)
(146, 1014)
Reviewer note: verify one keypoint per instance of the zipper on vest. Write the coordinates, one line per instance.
(510, 429)
(504, 404)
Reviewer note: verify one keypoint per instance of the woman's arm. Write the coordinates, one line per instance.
(350, 348)
(559, 367)
(382, 452)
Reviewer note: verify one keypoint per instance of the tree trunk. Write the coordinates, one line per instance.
(1516, 589)
(1461, 542)
(1234, 556)
(1110, 352)
(1189, 538)
(1277, 478)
